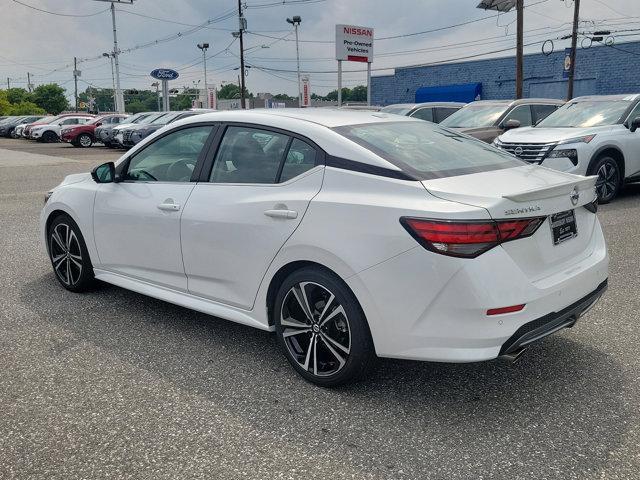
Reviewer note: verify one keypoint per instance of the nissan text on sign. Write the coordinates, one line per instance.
(354, 44)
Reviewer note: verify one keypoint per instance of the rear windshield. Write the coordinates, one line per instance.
(426, 151)
(398, 110)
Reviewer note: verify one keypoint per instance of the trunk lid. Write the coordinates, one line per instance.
(525, 192)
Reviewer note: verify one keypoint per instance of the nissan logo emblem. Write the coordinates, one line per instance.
(575, 196)
(518, 151)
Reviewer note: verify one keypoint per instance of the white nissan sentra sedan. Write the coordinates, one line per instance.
(350, 234)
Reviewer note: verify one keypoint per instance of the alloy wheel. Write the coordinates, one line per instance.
(85, 140)
(66, 254)
(315, 329)
(608, 180)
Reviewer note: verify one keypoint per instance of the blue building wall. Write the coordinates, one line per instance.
(600, 70)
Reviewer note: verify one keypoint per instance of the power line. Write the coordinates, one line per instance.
(60, 14)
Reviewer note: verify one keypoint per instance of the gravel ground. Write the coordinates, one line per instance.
(111, 384)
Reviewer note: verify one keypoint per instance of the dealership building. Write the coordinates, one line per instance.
(600, 70)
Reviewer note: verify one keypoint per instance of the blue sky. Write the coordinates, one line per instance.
(38, 42)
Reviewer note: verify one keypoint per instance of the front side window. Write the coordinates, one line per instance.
(249, 155)
(587, 113)
(424, 114)
(426, 151)
(521, 113)
(171, 158)
(478, 115)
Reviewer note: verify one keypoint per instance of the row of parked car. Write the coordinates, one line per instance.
(83, 130)
(592, 135)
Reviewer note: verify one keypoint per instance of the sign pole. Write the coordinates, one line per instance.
(165, 95)
(339, 83)
(369, 84)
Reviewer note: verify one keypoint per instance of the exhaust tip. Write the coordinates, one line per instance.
(513, 357)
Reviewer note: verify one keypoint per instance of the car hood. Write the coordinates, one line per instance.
(75, 178)
(549, 135)
(472, 130)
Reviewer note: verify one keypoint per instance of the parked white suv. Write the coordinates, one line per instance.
(593, 135)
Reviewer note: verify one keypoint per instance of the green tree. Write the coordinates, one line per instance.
(284, 96)
(26, 108)
(51, 98)
(5, 104)
(18, 95)
(333, 95)
(358, 94)
(136, 106)
(231, 90)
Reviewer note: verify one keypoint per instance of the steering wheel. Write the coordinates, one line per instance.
(181, 170)
(144, 173)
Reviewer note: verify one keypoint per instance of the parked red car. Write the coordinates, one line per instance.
(47, 120)
(84, 135)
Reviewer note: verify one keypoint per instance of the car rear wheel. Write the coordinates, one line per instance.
(609, 179)
(84, 140)
(69, 255)
(322, 329)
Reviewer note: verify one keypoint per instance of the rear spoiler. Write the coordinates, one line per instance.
(582, 184)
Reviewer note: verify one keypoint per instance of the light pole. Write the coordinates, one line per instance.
(295, 21)
(113, 81)
(203, 47)
(157, 85)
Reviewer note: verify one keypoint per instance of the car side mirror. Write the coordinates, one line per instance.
(511, 124)
(105, 173)
(635, 124)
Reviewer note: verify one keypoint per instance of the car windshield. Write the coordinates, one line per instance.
(137, 118)
(427, 151)
(397, 109)
(587, 113)
(167, 118)
(472, 116)
(151, 119)
(46, 119)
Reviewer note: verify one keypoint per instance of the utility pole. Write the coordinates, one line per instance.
(116, 51)
(203, 47)
(295, 21)
(520, 49)
(243, 25)
(75, 80)
(507, 6)
(157, 85)
(574, 46)
(8, 83)
(113, 80)
(29, 82)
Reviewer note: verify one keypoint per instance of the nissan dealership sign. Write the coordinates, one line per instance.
(354, 43)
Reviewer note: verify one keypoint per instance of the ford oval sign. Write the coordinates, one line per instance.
(165, 74)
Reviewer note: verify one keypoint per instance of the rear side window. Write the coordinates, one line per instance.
(249, 155)
(426, 151)
(300, 158)
(424, 114)
(540, 112)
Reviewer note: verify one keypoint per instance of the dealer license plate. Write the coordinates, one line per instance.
(563, 226)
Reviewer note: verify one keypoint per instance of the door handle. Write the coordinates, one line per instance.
(169, 207)
(290, 214)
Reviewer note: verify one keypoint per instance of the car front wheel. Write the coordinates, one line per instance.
(49, 137)
(609, 178)
(85, 140)
(322, 329)
(69, 255)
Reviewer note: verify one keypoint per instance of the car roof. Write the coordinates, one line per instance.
(603, 98)
(521, 101)
(327, 117)
(426, 104)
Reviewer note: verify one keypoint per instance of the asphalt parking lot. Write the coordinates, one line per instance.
(112, 384)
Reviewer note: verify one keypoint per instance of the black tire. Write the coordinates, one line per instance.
(49, 137)
(68, 254)
(332, 346)
(84, 140)
(609, 180)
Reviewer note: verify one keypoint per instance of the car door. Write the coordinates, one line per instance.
(249, 203)
(631, 145)
(137, 220)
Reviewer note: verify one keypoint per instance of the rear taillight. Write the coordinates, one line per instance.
(468, 238)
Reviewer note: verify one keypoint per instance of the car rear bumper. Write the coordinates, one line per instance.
(425, 306)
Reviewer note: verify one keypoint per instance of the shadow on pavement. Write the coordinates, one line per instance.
(557, 413)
